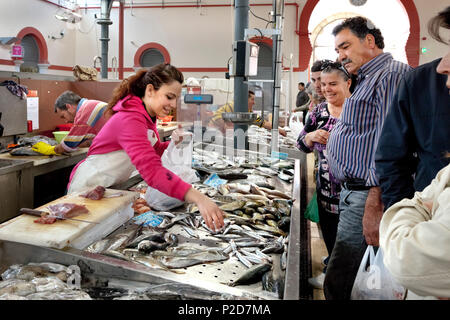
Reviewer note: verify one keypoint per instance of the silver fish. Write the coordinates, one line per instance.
(190, 232)
(252, 275)
(243, 260)
(267, 171)
(206, 256)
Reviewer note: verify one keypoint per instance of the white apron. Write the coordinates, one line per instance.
(105, 169)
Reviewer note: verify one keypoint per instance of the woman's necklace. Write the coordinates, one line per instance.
(335, 112)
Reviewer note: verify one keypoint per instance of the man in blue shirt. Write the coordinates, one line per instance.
(416, 134)
(351, 148)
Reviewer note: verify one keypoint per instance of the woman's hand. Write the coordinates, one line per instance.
(178, 135)
(319, 136)
(210, 212)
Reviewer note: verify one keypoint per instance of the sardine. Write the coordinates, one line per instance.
(190, 232)
(243, 260)
(283, 260)
(270, 229)
(273, 247)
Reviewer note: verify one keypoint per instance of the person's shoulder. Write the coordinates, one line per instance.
(398, 67)
(425, 69)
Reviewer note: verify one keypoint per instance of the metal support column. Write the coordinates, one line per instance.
(241, 8)
(278, 8)
(104, 22)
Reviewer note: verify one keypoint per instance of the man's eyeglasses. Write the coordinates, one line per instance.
(335, 65)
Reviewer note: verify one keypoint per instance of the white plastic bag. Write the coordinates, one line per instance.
(373, 281)
(179, 161)
(295, 123)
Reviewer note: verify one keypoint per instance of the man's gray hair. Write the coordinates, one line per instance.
(310, 89)
(67, 97)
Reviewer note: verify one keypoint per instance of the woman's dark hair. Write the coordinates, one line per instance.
(361, 27)
(136, 84)
(441, 20)
(317, 65)
(336, 67)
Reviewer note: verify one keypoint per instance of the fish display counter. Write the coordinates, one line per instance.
(171, 254)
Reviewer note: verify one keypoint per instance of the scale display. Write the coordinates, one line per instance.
(198, 99)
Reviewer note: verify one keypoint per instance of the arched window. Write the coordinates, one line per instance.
(151, 54)
(35, 50)
(151, 57)
(31, 54)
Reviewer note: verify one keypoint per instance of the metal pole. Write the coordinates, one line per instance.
(104, 22)
(278, 7)
(241, 8)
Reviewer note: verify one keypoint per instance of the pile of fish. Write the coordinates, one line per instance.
(39, 281)
(260, 135)
(52, 281)
(257, 222)
(209, 161)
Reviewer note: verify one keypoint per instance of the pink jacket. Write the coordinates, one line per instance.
(127, 130)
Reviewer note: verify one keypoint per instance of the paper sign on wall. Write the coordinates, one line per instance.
(33, 111)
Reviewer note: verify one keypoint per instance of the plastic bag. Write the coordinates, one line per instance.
(148, 218)
(312, 210)
(295, 123)
(179, 161)
(373, 281)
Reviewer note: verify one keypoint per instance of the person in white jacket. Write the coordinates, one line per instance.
(415, 233)
(415, 238)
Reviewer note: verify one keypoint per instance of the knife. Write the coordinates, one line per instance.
(38, 213)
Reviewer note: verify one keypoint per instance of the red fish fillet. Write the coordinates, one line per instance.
(94, 194)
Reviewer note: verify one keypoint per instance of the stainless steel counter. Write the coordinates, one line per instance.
(108, 267)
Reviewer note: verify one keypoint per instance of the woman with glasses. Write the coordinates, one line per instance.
(335, 86)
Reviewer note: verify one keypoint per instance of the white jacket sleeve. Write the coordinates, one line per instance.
(416, 241)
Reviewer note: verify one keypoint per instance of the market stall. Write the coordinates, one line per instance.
(249, 259)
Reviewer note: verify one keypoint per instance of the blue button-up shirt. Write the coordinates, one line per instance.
(353, 140)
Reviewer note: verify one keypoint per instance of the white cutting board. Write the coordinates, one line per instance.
(110, 213)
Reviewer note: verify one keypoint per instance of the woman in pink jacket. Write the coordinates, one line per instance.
(130, 140)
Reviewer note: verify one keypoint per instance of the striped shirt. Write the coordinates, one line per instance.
(88, 121)
(353, 140)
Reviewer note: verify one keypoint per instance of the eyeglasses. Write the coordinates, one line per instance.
(335, 65)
